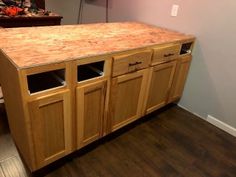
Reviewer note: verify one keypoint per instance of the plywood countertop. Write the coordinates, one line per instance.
(30, 47)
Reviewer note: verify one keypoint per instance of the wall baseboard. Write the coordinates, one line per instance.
(223, 126)
(191, 112)
(212, 120)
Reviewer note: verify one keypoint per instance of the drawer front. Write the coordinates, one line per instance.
(131, 62)
(165, 53)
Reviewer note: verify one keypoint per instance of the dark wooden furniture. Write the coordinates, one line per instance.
(23, 21)
(40, 4)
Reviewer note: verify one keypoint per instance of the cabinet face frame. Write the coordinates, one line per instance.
(143, 74)
(41, 69)
(40, 132)
(155, 70)
(81, 92)
(31, 98)
(107, 68)
(80, 88)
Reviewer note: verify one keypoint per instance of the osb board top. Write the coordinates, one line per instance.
(35, 46)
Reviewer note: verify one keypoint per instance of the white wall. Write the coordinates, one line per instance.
(211, 84)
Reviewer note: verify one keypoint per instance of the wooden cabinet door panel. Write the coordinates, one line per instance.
(159, 85)
(127, 96)
(90, 112)
(180, 77)
(51, 123)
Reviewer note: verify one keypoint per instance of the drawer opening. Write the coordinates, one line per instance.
(46, 80)
(186, 48)
(90, 71)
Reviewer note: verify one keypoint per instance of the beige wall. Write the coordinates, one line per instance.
(211, 84)
(68, 9)
(93, 11)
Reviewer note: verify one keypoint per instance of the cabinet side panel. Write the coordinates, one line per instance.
(183, 72)
(180, 78)
(19, 126)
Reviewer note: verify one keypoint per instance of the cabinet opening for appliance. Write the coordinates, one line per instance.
(186, 48)
(46, 80)
(90, 71)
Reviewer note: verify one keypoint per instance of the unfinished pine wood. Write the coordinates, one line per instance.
(126, 98)
(131, 61)
(180, 77)
(51, 122)
(48, 115)
(18, 122)
(159, 86)
(90, 101)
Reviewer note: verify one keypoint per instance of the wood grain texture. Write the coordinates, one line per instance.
(131, 61)
(90, 101)
(165, 53)
(170, 142)
(51, 122)
(159, 86)
(127, 97)
(180, 77)
(19, 125)
(28, 47)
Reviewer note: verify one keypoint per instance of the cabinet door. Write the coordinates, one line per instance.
(90, 100)
(159, 85)
(51, 124)
(127, 96)
(180, 78)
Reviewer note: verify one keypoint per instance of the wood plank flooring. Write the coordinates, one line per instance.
(169, 143)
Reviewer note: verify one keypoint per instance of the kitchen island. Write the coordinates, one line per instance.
(67, 86)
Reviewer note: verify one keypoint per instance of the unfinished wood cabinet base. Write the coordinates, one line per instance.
(180, 77)
(57, 108)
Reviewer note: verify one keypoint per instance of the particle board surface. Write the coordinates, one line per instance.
(35, 46)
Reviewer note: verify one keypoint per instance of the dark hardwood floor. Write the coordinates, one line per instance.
(169, 143)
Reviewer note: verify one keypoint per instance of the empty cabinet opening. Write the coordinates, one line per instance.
(90, 71)
(186, 48)
(46, 80)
